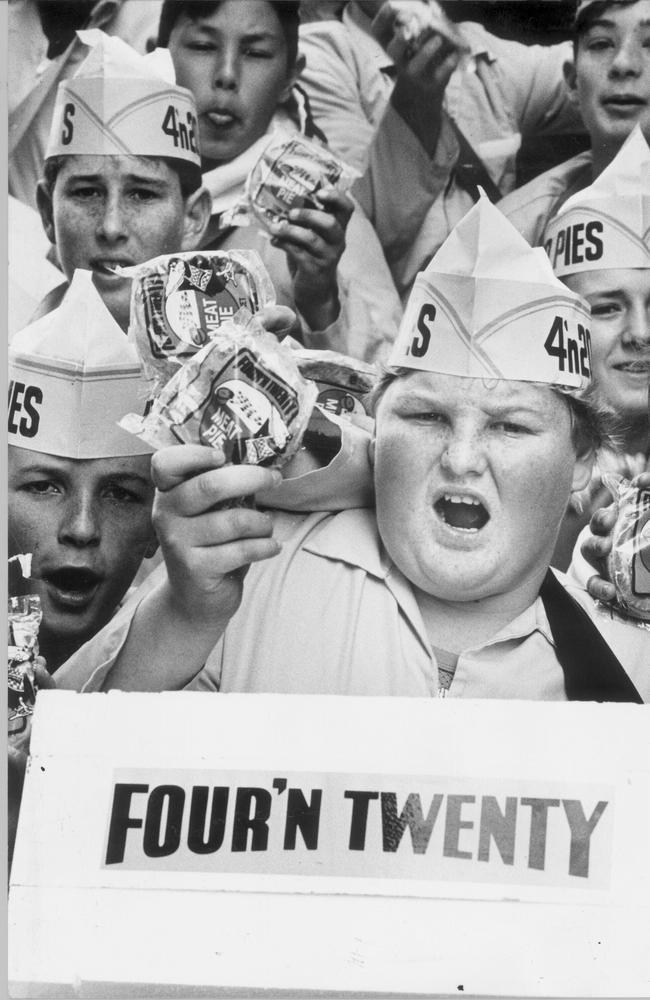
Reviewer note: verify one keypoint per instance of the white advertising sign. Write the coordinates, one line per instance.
(367, 845)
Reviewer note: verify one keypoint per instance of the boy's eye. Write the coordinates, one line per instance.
(258, 53)
(599, 44)
(85, 192)
(428, 417)
(121, 494)
(42, 487)
(510, 427)
(200, 46)
(606, 309)
(143, 194)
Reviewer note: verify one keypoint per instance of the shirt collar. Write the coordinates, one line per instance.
(352, 537)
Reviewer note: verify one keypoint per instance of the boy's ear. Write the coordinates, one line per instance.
(198, 208)
(295, 73)
(44, 203)
(570, 79)
(582, 470)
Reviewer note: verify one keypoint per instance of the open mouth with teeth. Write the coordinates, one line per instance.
(463, 512)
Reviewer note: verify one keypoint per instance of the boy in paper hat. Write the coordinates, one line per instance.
(482, 433)
(122, 177)
(609, 79)
(80, 490)
(599, 245)
(240, 59)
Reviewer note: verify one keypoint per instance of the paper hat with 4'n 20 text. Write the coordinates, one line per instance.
(72, 376)
(606, 225)
(122, 104)
(489, 306)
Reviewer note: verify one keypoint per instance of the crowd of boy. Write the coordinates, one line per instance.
(418, 561)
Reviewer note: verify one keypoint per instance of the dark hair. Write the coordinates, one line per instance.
(287, 11)
(593, 12)
(189, 175)
(591, 422)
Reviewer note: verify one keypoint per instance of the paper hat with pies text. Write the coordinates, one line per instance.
(72, 376)
(489, 306)
(606, 225)
(121, 103)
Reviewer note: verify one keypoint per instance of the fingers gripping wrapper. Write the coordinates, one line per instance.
(241, 393)
(289, 174)
(629, 561)
(179, 302)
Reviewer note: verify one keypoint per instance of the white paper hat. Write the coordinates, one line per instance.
(489, 306)
(72, 376)
(120, 103)
(607, 225)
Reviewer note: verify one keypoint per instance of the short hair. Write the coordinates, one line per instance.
(592, 424)
(189, 174)
(593, 12)
(287, 11)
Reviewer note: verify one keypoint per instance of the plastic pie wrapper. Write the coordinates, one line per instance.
(179, 302)
(411, 25)
(343, 382)
(289, 174)
(628, 564)
(24, 618)
(242, 392)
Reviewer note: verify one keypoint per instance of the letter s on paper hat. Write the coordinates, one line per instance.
(611, 217)
(120, 103)
(489, 306)
(86, 376)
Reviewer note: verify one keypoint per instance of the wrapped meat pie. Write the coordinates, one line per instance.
(629, 561)
(242, 392)
(179, 302)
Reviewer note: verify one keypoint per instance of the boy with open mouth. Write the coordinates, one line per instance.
(484, 429)
(80, 490)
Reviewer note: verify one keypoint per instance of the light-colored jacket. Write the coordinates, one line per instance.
(506, 91)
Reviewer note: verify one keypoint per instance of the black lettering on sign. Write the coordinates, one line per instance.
(420, 346)
(498, 826)
(581, 831)
(69, 112)
(162, 836)
(393, 825)
(121, 820)
(255, 822)
(302, 816)
(538, 821)
(359, 819)
(24, 399)
(199, 840)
